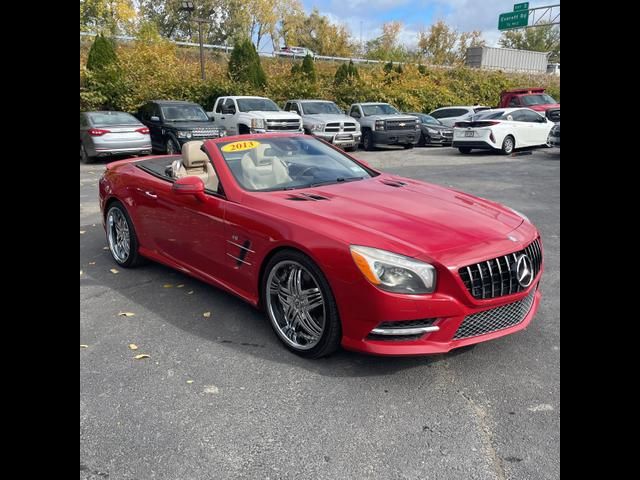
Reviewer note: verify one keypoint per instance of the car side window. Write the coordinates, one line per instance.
(516, 116)
(221, 100)
(83, 121)
(446, 113)
(355, 112)
(229, 103)
(294, 107)
(156, 111)
(514, 102)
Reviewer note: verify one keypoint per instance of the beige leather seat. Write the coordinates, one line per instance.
(262, 169)
(195, 163)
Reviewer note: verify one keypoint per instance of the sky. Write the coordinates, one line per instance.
(463, 15)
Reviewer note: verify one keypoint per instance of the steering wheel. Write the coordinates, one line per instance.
(308, 169)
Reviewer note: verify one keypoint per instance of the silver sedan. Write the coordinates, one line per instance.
(112, 133)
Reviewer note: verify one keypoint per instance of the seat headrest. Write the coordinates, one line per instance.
(192, 155)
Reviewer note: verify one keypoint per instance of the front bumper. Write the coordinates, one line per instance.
(182, 141)
(264, 130)
(364, 307)
(437, 139)
(554, 141)
(396, 137)
(341, 139)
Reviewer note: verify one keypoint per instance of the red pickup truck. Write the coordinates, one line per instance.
(533, 98)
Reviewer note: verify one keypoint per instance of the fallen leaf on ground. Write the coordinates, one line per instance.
(211, 389)
(126, 314)
(133, 346)
(105, 248)
(92, 263)
(84, 346)
(189, 381)
(141, 356)
(190, 292)
(82, 231)
(80, 272)
(168, 285)
(113, 270)
(180, 286)
(206, 314)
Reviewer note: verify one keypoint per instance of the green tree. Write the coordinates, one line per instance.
(442, 45)
(244, 64)
(544, 38)
(101, 54)
(315, 32)
(387, 46)
(112, 16)
(352, 71)
(309, 68)
(341, 74)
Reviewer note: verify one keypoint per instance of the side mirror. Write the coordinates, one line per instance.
(211, 116)
(190, 186)
(154, 118)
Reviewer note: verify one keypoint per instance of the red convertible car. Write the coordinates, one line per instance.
(335, 252)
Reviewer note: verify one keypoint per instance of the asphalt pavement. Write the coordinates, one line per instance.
(220, 398)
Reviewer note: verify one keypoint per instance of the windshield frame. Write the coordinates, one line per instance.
(195, 107)
(385, 105)
(319, 102)
(545, 102)
(321, 145)
(240, 101)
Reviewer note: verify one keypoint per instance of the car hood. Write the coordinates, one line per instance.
(436, 127)
(392, 116)
(281, 115)
(543, 107)
(407, 216)
(328, 117)
(190, 125)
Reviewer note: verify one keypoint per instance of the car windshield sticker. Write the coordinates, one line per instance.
(240, 146)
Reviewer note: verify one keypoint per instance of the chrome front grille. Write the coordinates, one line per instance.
(400, 125)
(287, 124)
(497, 277)
(206, 132)
(340, 127)
(495, 319)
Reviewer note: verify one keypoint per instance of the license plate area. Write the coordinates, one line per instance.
(469, 134)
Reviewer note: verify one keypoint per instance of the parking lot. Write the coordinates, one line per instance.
(220, 397)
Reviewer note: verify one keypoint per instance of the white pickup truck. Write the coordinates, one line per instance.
(242, 115)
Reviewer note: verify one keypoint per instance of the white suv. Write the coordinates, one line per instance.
(241, 115)
(450, 115)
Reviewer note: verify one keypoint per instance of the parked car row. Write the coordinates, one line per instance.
(164, 126)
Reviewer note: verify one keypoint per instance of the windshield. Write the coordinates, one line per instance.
(315, 108)
(288, 163)
(428, 119)
(378, 109)
(112, 118)
(257, 104)
(487, 115)
(184, 113)
(541, 99)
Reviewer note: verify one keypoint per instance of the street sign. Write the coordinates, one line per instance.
(510, 20)
(521, 6)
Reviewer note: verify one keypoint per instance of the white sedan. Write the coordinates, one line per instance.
(502, 129)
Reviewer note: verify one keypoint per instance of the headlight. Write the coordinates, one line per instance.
(257, 123)
(394, 273)
(520, 214)
(318, 127)
(184, 134)
(379, 125)
(433, 130)
(418, 125)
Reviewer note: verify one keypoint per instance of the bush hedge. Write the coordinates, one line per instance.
(153, 68)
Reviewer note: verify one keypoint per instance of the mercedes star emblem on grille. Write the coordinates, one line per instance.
(524, 271)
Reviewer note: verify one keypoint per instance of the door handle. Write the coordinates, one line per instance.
(151, 194)
(221, 118)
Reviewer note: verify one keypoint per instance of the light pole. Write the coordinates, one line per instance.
(188, 7)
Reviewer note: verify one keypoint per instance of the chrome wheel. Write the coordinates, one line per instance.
(118, 235)
(295, 305)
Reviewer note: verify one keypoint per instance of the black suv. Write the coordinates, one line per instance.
(173, 123)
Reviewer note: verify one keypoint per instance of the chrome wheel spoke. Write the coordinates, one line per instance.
(294, 302)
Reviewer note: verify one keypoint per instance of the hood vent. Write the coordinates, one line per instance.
(393, 183)
(306, 197)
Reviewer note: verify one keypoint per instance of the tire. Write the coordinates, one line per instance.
(84, 156)
(367, 140)
(125, 256)
(408, 146)
(311, 332)
(172, 148)
(464, 149)
(422, 142)
(508, 144)
(243, 130)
